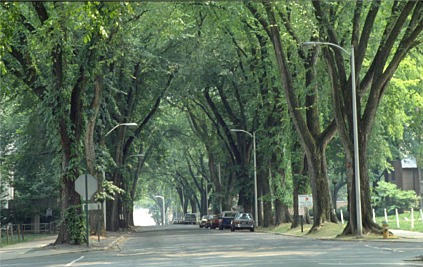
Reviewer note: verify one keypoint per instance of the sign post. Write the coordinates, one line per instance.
(304, 201)
(86, 186)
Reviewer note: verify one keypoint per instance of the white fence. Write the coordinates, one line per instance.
(12, 233)
(411, 218)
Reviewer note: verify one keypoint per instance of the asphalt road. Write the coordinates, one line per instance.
(188, 245)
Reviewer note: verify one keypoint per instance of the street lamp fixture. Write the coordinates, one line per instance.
(255, 171)
(122, 124)
(137, 155)
(355, 130)
(164, 211)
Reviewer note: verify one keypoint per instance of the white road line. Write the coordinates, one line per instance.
(388, 249)
(371, 264)
(72, 262)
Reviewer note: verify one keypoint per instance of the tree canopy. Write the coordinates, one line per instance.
(191, 75)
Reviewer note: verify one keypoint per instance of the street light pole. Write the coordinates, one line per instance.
(207, 198)
(136, 155)
(255, 171)
(220, 187)
(355, 131)
(255, 180)
(164, 211)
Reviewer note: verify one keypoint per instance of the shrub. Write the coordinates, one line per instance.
(76, 225)
(389, 197)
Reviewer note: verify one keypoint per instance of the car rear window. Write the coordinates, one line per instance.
(244, 216)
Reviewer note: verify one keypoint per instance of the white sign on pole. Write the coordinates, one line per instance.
(86, 186)
(94, 206)
(304, 201)
(86, 189)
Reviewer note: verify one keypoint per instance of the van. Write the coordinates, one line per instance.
(190, 218)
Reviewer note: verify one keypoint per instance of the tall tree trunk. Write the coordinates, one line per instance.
(115, 214)
(185, 206)
(68, 196)
(393, 46)
(281, 213)
(266, 195)
(322, 204)
(69, 141)
(193, 205)
(312, 139)
(140, 164)
(281, 209)
(90, 155)
(367, 220)
(300, 182)
(278, 212)
(246, 193)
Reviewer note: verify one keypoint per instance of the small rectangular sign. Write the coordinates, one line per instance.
(94, 206)
(304, 201)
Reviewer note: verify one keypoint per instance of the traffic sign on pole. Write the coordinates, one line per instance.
(86, 190)
(86, 186)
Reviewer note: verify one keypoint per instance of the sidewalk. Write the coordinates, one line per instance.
(44, 246)
(410, 235)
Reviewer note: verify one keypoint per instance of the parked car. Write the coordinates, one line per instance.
(227, 217)
(243, 221)
(190, 218)
(212, 222)
(203, 221)
(177, 221)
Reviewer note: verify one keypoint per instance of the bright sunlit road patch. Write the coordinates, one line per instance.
(142, 218)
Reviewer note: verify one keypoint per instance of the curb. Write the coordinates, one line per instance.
(115, 242)
(394, 238)
(48, 249)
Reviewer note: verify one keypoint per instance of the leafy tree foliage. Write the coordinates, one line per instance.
(330, 27)
(389, 197)
(188, 74)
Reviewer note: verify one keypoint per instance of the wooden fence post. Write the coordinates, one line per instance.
(11, 232)
(7, 234)
(412, 218)
(19, 232)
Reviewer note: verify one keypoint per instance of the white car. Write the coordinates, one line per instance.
(203, 221)
(243, 221)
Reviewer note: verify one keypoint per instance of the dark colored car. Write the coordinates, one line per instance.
(227, 217)
(243, 221)
(212, 222)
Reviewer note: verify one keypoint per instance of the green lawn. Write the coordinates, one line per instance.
(331, 230)
(404, 221)
(17, 240)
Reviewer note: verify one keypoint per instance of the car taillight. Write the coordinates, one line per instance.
(236, 222)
